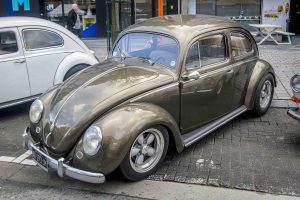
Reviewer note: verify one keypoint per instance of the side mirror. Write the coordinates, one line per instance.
(191, 76)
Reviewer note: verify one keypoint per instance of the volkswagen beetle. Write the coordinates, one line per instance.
(295, 85)
(168, 82)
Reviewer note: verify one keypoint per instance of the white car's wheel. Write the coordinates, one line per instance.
(74, 70)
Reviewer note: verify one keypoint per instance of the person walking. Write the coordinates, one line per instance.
(73, 21)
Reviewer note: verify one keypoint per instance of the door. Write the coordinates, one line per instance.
(14, 82)
(206, 90)
(44, 51)
(245, 58)
(294, 16)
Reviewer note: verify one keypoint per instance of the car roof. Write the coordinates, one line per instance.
(183, 27)
(7, 22)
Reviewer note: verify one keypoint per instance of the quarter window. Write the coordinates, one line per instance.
(37, 39)
(192, 58)
(240, 44)
(8, 43)
(212, 50)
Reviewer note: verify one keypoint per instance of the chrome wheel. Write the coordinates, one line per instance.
(265, 94)
(147, 150)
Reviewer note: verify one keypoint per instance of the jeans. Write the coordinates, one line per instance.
(77, 32)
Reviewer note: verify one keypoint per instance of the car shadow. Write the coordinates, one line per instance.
(15, 110)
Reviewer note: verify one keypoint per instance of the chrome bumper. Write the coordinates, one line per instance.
(62, 168)
(294, 113)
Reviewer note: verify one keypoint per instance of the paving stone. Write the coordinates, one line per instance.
(267, 159)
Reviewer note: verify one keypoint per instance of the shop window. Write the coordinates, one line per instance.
(240, 44)
(192, 59)
(212, 50)
(8, 43)
(38, 39)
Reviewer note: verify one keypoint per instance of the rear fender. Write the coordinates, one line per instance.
(71, 61)
(261, 68)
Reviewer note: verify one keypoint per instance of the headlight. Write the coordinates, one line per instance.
(295, 83)
(92, 140)
(36, 110)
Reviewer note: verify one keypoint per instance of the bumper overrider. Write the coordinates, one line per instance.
(294, 113)
(58, 165)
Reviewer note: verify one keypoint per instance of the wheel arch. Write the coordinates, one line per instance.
(71, 61)
(261, 69)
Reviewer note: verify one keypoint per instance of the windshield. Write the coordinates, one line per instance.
(150, 46)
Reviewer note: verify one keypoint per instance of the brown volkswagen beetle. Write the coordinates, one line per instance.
(168, 81)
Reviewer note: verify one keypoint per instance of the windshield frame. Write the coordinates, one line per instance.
(176, 68)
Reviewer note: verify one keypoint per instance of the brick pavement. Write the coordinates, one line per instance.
(260, 154)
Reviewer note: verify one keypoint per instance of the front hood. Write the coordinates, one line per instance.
(86, 96)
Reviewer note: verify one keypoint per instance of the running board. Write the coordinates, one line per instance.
(195, 135)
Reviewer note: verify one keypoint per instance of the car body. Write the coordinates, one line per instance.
(168, 82)
(36, 54)
(295, 85)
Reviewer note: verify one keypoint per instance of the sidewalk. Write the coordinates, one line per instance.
(32, 181)
(284, 58)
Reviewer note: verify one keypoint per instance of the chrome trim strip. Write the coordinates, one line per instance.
(83, 85)
(62, 168)
(9, 104)
(199, 133)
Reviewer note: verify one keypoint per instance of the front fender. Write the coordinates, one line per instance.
(261, 68)
(71, 61)
(120, 127)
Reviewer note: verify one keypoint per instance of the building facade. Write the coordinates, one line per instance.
(101, 18)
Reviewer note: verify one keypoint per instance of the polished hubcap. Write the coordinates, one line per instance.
(266, 94)
(147, 150)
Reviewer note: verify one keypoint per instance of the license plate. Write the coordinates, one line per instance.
(40, 159)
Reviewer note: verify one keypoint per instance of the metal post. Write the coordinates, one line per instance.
(179, 7)
(63, 12)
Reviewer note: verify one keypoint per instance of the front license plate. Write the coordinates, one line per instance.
(41, 160)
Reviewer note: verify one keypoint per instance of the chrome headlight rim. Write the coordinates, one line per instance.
(97, 134)
(292, 84)
(36, 111)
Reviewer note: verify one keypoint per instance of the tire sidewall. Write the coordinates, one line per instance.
(74, 70)
(257, 108)
(129, 173)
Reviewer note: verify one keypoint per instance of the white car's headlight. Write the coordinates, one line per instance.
(295, 83)
(92, 140)
(36, 110)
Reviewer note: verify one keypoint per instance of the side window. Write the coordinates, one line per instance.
(192, 59)
(212, 50)
(240, 44)
(37, 39)
(8, 43)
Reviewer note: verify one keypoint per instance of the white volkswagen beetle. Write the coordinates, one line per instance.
(36, 54)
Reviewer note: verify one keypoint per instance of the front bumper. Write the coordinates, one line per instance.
(294, 113)
(59, 165)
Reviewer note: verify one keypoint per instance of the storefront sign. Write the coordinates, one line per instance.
(16, 4)
(276, 12)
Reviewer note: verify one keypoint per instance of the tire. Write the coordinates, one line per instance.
(74, 70)
(141, 161)
(262, 104)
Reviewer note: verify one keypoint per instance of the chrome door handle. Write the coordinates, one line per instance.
(20, 61)
(230, 71)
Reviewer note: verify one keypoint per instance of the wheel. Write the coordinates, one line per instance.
(264, 95)
(146, 154)
(74, 70)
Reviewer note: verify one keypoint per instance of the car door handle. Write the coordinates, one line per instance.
(20, 61)
(230, 71)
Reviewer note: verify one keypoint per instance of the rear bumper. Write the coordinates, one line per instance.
(59, 165)
(294, 113)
